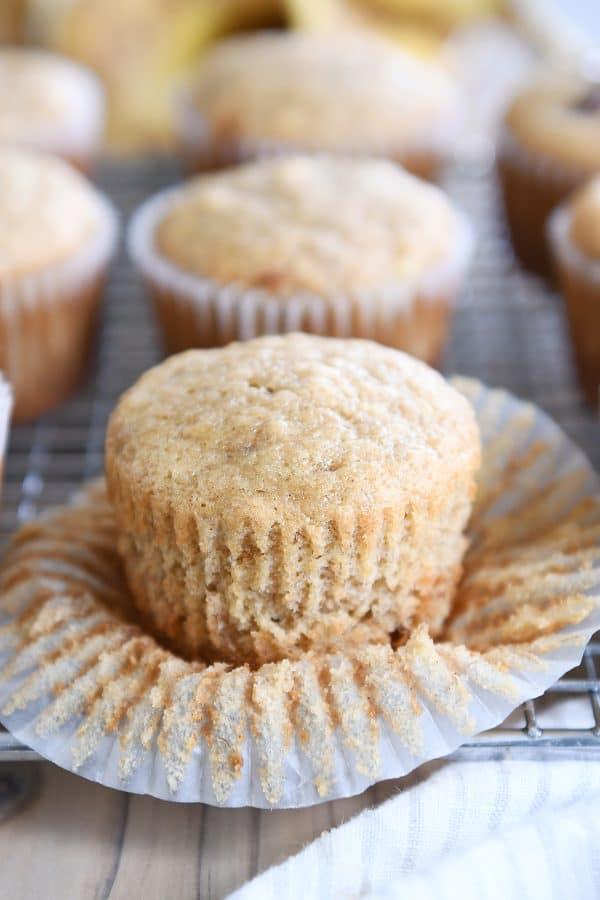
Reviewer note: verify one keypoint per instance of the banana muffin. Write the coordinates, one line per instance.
(51, 104)
(550, 145)
(57, 236)
(278, 92)
(288, 493)
(574, 232)
(338, 247)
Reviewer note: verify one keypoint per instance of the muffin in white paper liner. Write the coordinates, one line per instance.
(533, 185)
(47, 319)
(199, 312)
(83, 685)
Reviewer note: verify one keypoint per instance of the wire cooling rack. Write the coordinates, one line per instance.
(508, 330)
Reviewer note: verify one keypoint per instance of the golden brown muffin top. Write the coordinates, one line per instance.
(325, 225)
(560, 119)
(42, 93)
(319, 92)
(585, 218)
(47, 211)
(295, 426)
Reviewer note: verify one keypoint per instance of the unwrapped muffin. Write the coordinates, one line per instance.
(287, 493)
(345, 94)
(51, 104)
(574, 232)
(339, 247)
(550, 144)
(57, 236)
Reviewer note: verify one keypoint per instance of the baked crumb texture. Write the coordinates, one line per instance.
(284, 494)
(85, 685)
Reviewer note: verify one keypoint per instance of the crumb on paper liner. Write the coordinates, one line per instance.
(84, 685)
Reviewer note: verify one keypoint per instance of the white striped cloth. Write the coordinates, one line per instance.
(522, 829)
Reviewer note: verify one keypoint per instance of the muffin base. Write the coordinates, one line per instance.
(212, 624)
(204, 149)
(579, 280)
(224, 153)
(47, 323)
(54, 344)
(197, 312)
(420, 330)
(531, 189)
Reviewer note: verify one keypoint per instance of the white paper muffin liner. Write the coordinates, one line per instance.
(206, 148)
(78, 137)
(30, 303)
(565, 251)
(89, 690)
(233, 311)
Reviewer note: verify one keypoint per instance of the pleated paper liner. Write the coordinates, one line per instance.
(83, 685)
(532, 187)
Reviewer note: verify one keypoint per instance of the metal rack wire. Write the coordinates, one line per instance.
(508, 330)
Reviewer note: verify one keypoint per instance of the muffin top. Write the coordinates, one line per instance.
(44, 97)
(323, 225)
(297, 426)
(585, 218)
(317, 92)
(560, 119)
(47, 210)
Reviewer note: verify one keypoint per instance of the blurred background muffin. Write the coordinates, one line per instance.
(329, 245)
(550, 144)
(575, 245)
(50, 103)
(142, 48)
(57, 236)
(347, 94)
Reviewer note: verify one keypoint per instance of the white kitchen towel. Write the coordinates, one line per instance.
(495, 830)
